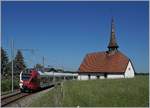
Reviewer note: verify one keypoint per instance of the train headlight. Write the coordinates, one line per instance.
(21, 85)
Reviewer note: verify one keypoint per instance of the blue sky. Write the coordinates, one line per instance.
(64, 32)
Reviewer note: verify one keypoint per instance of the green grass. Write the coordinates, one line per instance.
(132, 92)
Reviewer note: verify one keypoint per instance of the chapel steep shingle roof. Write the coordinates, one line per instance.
(112, 42)
(104, 62)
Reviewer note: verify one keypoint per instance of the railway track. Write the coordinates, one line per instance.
(10, 98)
(5, 100)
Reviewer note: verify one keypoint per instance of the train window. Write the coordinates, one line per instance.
(25, 76)
(51, 78)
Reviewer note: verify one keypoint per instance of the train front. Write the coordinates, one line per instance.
(29, 81)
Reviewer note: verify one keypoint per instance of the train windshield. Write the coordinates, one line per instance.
(25, 76)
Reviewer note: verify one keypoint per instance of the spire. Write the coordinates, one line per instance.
(112, 43)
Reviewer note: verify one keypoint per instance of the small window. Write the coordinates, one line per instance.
(105, 75)
(97, 77)
(89, 77)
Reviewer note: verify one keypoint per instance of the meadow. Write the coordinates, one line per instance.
(132, 92)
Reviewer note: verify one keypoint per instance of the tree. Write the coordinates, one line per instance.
(4, 61)
(52, 69)
(39, 67)
(9, 68)
(60, 70)
(19, 64)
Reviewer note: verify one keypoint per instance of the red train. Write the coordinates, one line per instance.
(37, 80)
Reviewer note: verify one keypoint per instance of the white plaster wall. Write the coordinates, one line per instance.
(86, 77)
(93, 77)
(101, 77)
(83, 77)
(113, 76)
(79, 77)
(129, 73)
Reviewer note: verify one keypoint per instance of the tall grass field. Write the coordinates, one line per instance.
(131, 92)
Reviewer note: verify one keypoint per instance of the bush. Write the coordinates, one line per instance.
(6, 84)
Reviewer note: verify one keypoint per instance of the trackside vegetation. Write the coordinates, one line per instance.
(6, 84)
(132, 92)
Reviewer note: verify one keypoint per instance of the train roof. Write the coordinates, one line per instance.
(56, 74)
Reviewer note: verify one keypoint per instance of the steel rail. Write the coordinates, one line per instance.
(11, 98)
(9, 95)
